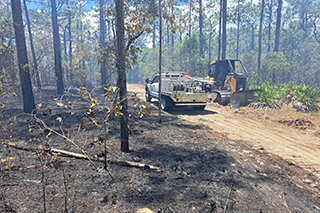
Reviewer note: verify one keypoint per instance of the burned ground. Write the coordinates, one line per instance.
(203, 171)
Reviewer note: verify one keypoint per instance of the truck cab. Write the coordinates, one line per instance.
(152, 87)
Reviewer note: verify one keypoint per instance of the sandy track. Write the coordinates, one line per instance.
(299, 147)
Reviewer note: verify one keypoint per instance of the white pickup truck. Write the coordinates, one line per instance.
(179, 89)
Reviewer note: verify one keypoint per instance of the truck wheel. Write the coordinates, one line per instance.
(148, 97)
(219, 100)
(166, 103)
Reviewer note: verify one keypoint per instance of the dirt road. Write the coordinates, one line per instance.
(262, 129)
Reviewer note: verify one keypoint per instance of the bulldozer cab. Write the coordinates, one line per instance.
(220, 70)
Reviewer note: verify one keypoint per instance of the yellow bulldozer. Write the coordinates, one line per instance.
(228, 80)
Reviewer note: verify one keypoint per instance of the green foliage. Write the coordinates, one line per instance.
(182, 57)
(279, 92)
(267, 94)
(150, 65)
(307, 94)
(190, 56)
(276, 66)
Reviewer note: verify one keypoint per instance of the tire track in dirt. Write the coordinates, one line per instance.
(301, 148)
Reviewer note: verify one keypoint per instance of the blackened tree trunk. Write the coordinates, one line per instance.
(278, 25)
(26, 87)
(35, 64)
(56, 47)
(122, 81)
(103, 69)
(224, 30)
(260, 36)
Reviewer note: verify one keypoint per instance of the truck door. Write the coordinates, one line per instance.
(155, 87)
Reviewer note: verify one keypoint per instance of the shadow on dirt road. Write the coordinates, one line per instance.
(181, 110)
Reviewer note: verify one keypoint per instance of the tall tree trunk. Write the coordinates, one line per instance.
(168, 34)
(190, 18)
(108, 27)
(35, 64)
(70, 45)
(269, 25)
(252, 38)
(224, 30)
(172, 34)
(220, 23)
(82, 62)
(210, 42)
(278, 25)
(238, 28)
(122, 81)
(160, 61)
(25, 80)
(154, 35)
(56, 46)
(103, 69)
(302, 16)
(260, 36)
(65, 52)
(200, 28)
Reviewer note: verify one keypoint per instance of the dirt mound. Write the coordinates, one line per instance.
(317, 134)
(293, 102)
(300, 123)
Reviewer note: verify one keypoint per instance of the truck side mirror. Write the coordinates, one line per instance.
(147, 80)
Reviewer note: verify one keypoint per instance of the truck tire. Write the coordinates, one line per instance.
(219, 100)
(166, 103)
(148, 97)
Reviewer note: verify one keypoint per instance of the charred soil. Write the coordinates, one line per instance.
(205, 169)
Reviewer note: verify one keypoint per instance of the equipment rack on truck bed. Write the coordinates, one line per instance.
(179, 89)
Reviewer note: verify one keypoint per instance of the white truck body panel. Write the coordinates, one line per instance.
(182, 89)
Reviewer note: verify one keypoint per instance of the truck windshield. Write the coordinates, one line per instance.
(156, 79)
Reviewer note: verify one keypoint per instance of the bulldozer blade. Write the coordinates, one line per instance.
(242, 98)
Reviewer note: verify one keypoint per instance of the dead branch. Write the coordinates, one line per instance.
(64, 137)
(81, 156)
(137, 165)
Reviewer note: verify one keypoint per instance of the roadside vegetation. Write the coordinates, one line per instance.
(303, 98)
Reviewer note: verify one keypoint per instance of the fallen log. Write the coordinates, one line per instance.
(119, 162)
(138, 165)
(81, 156)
